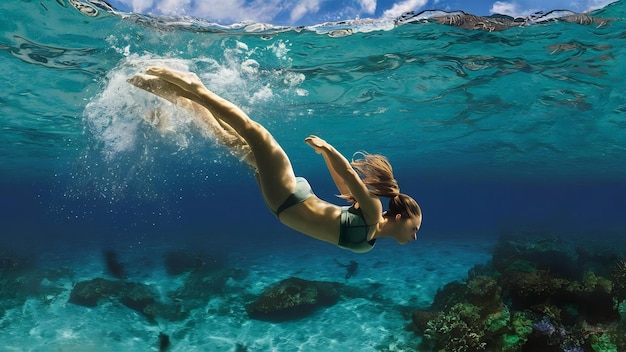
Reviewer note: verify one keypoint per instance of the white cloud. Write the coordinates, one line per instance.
(220, 11)
(407, 5)
(265, 10)
(303, 8)
(213, 10)
(139, 6)
(506, 8)
(368, 6)
(172, 7)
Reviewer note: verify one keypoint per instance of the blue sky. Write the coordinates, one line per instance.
(309, 12)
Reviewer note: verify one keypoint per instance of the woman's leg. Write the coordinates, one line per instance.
(276, 176)
(223, 132)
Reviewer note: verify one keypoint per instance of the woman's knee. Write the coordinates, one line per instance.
(258, 136)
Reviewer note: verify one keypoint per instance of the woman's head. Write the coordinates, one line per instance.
(405, 206)
(377, 174)
(406, 216)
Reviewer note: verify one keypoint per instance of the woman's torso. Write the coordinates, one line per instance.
(317, 218)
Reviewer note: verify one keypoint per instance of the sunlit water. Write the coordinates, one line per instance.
(492, 132)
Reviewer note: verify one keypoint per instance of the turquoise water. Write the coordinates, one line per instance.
(492, 133)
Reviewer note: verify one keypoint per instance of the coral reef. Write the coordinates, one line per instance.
(457, 330)
(619, 280)
(539, 293)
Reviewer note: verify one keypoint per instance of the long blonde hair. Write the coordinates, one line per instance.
(377, 174)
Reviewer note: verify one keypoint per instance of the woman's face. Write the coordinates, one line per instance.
(406, 230)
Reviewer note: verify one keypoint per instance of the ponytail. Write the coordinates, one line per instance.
(376, 173)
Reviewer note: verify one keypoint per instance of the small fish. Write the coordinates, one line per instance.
(351, 268)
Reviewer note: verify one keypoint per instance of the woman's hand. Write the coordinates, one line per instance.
(316, 143)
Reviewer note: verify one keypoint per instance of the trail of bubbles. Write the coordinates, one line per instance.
(132, 134)
(115, 117)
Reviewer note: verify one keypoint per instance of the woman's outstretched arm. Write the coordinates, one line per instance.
(346, 177)
(340, 182)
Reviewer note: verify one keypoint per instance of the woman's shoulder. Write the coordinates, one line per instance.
(371, 212)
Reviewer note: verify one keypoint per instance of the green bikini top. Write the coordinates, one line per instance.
(353, 231)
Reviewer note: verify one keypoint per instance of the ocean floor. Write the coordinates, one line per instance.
(390, 283)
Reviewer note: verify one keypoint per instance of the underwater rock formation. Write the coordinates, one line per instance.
(88, 293)
(539, 294)
(140, 297)
(137, 296)
(293, 298)
(203, 278)
(198, 287)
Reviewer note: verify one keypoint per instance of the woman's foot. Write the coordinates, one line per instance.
(175, 86)
(155, 85)
(184, 83)
(169, 84)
